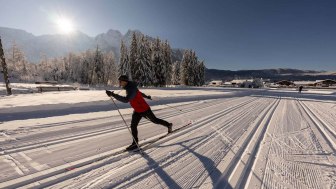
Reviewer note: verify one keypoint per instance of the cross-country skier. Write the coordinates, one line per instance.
(140, 106)
(300, 88)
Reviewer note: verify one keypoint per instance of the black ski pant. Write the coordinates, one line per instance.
(136, 117)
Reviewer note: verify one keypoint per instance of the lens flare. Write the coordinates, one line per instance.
(65, 25)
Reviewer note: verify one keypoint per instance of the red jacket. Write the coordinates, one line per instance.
(134, 97)
(138, 103)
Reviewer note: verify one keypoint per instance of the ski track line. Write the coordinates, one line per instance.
(20, 168)
(193, 166)
(291, 174)
(58, 124)
(326, 125)
(57, 171)
(120, 125)
(234, 118)
(244, 169)
(63, 141)
(238, 123)
(232, 163)
(37, 166)
(321, 127)
(245, 120)
(258, 149)
(95, 134)
(12, 163)
(218, 115)
(191, 129)
(326, 113)
(66, 139)
(200, 143)
(205, 120)
(257, 177)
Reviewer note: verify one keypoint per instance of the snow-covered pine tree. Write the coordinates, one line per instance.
(110, 69)
(157, 63)
(149, 67)
(63, 74)
(133, 57)
(154, 80)
(70, 67)
(89, 58)
(191, 68)
(185, 66)
(167, 62)
(69, 71)
(143, 72)
(44, 68)
(84, 70)
(4, 69)
(23, 69)
(138, 71)
(176, 70)
(98, 66)
(201, 73)
(197, 71)
(55, 70)
(124, 64)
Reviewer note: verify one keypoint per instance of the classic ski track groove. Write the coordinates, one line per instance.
(241, 129)
(176, 137)
(183, 153)
(243, 155)
(42, 177)
(324, 129)
(178, 134)
(63, 141)
(296, 175)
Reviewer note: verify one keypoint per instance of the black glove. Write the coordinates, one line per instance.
(109, 93)
(149, 97)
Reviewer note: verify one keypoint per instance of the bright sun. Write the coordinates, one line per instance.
(65, 25)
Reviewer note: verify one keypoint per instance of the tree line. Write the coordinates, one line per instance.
(145, 61)
(150, 64)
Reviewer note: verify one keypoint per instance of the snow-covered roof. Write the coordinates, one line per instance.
(241, 80)
(303, 82)
(217, 81)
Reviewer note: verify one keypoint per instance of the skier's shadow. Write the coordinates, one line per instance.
(209, 165)
(159, 171)
(158, 168)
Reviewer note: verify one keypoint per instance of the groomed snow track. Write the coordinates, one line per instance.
(243, 142)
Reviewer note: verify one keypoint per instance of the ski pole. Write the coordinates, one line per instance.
(126, 125)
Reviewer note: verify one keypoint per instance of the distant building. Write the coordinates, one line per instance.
(227, 84)
(325, 83)
(242, 83)
(305, 83)
(285, 83)
(216, 83)
(317, 83)
(248, 83)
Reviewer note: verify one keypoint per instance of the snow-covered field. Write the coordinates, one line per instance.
(224, 138)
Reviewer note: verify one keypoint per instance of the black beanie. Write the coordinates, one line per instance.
(123, 78)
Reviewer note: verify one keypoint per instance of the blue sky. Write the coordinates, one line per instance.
(227, 34)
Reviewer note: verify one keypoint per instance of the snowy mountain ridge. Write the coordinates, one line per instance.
(57, 45)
